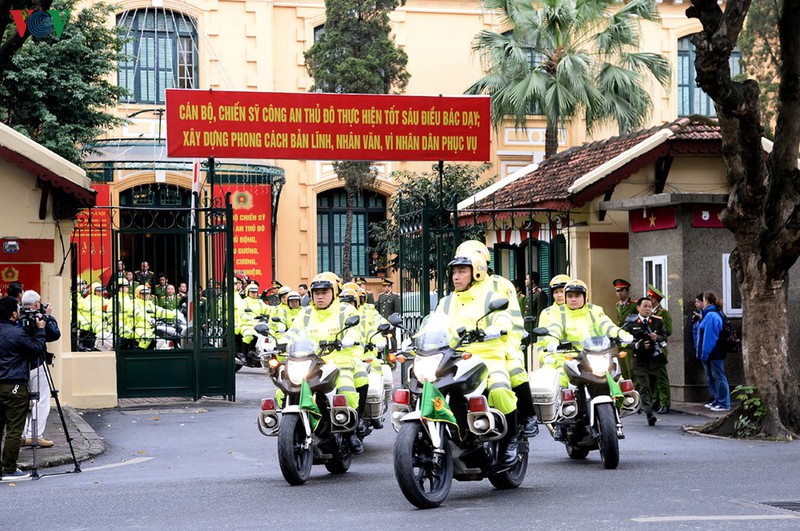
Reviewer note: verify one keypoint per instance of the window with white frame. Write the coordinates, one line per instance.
(655, 274)
(731, 296)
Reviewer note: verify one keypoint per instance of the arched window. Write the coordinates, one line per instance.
(691, 98)
(370, 208)
(161, 53)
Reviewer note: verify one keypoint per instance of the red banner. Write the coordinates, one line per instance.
(92, 235)
(318, 126)
(29, 275)
(708, 216)
(648, 219)
(252, 229)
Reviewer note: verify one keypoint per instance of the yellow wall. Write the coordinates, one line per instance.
(260, 45)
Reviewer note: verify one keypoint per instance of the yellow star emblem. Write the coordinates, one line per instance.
(652, 220)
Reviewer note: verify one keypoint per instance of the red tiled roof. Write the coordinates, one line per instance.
(548, 185)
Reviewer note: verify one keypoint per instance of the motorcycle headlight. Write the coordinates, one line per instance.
(425, 367)
(297, 370)
(598, 363)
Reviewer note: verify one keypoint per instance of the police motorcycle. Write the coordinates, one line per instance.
(313, 424)
(446, 428)
(379, 390)
(250, 355)
(169, 334)
(587, 414)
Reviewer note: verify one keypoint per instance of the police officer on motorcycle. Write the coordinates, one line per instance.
(463, 308)
(515, 362)
(322, 320)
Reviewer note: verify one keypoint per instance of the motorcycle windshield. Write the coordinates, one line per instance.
(303, 347)
(434, 334)
(596, 344)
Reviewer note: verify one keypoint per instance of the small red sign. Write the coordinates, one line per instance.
(660, 218)
(321, 126)
(29, 275)
(708, 216)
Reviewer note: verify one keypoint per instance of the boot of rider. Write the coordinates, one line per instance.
(361, 429)
(355, 444)
(525, 411)
(509, 445)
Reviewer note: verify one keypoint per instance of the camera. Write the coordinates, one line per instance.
(27, 319)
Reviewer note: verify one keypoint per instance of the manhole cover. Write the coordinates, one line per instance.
(785, 505)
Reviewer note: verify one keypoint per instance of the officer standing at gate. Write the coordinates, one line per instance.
(625, 306)
(389, 303)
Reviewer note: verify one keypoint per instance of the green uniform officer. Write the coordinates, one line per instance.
(625, 306)
(663, 396)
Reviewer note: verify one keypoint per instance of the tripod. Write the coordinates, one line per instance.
(34, 397)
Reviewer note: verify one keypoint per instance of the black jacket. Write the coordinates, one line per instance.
(17, 351)
(645, 349)
(51, 333)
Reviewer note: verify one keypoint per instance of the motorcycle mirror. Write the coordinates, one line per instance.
(261, 328)
(352, 321)
(276, 319)
(529, 319)
(498, 304)
(540, 331)
(395, 319)
(461, 331)
(384, 327)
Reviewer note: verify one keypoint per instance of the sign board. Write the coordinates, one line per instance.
(29, 275)
(321, 126)
(92, 235)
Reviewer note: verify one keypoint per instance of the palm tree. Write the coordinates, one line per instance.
(565, 57)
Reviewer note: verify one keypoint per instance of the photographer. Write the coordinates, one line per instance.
(18, 350)
(649, 339)
(32, 306)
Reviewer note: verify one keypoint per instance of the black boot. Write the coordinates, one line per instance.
(559, 433)
(377, 423)
(355, 444)
(509, 445)
(361, 429)
(525, 411)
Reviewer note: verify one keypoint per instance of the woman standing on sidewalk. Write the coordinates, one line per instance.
(711, 355)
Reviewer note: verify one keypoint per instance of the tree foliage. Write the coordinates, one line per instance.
(56, 90)
(356, 54)
(763, 210)
(761, 52)
(569, 58)
(459, 181)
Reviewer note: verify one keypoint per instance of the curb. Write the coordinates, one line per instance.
(85, 442)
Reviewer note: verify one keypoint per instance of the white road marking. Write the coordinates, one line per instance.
(134, 461)
(712, 518)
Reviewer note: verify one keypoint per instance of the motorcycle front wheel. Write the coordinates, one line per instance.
(295, 460)
(608, 442)
(424, 481)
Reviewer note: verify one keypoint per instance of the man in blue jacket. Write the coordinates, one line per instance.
(18, 350)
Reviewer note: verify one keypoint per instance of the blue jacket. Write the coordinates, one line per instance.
(17, 351)
(51, 333)
(710, 327)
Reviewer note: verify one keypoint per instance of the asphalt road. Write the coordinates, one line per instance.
(206, 466)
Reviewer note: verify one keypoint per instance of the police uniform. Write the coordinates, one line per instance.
(663, 395)
(389, 303)
(624, 309)
(648, 356)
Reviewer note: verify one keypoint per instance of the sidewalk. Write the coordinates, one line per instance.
(697, 409)
(85, 441)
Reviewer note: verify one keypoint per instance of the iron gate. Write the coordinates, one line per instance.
(184, 345)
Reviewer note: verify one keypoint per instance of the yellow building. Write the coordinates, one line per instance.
(259, 46)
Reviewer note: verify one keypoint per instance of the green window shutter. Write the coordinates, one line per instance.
(544, 264)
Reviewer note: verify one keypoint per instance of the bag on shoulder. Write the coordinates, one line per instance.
(728, 340)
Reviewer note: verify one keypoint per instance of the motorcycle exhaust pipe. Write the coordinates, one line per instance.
(343, 417)
(568, 407)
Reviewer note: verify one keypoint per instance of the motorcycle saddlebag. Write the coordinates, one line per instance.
(545, 390)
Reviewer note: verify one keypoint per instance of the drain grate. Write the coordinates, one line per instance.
(785, 505)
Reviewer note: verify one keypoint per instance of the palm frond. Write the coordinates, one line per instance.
(657, 65)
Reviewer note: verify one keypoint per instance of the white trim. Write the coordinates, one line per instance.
(620, 160)
(508, 179)
(727, 288)
(24, 146)
(662, 261)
